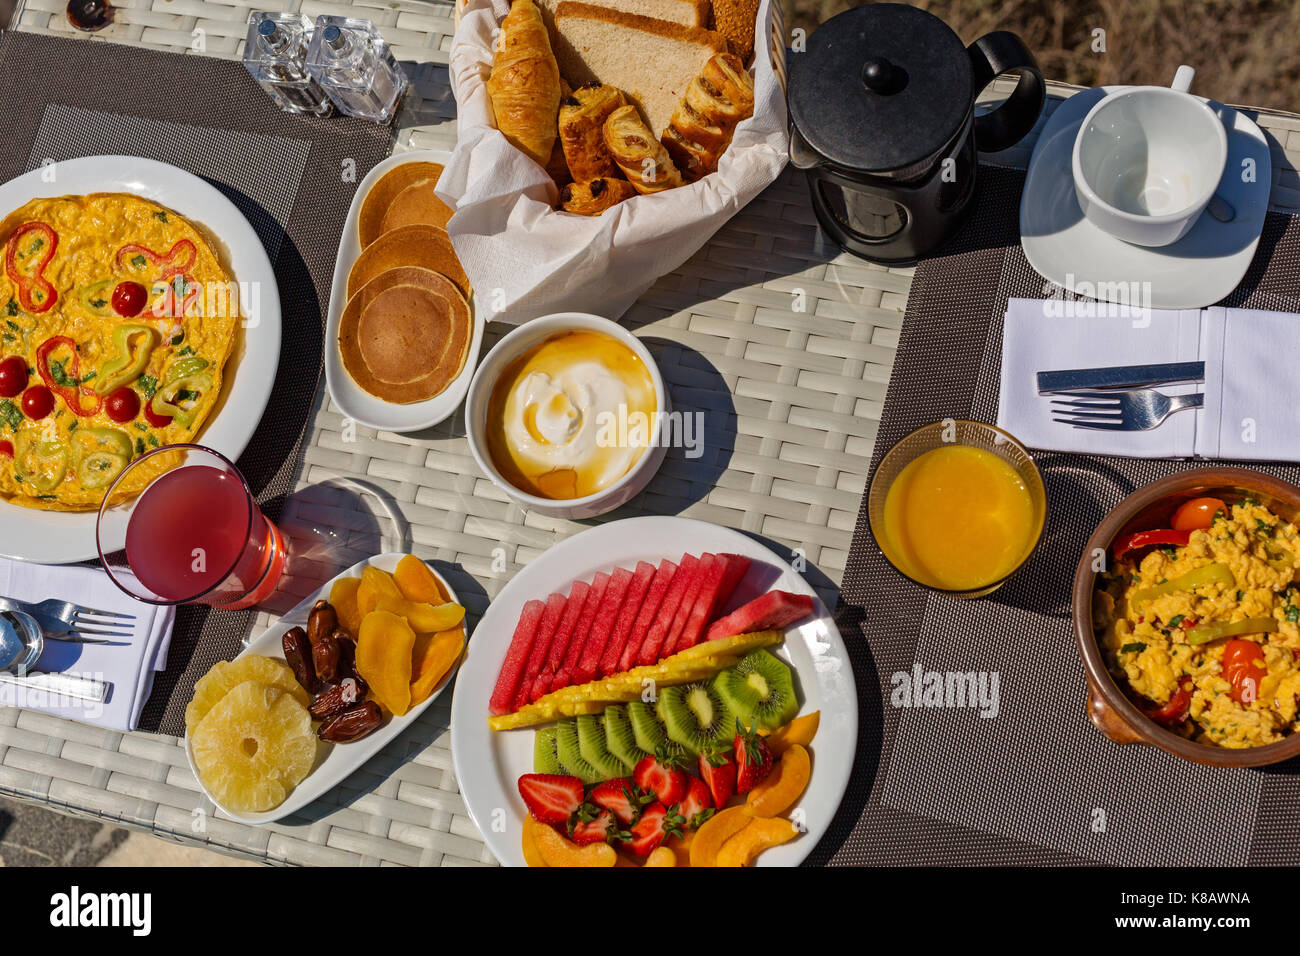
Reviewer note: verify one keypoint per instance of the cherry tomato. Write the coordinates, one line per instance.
(1198, 513)
(154, 419)
(13, 376)
(6, 449)
(129, 298)
(122, 405)
(1243, 666)
(38, 401)
(1176, 710)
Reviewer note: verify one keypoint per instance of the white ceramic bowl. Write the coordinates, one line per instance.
(513, 346)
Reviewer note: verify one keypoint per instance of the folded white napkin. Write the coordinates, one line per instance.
(129, 669)
(1251, 386)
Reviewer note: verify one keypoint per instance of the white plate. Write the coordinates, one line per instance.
(334, 762)
(488, 765)
(354, 401)
(60, 537)
(1196, 271)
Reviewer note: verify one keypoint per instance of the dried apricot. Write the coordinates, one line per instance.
(374, 585)
(418, 583)
(385, 644)
(343, 595)
(431, 659)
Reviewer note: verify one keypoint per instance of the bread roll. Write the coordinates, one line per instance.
(525, 83)
(593, 198)
(643, 159)
(735, 20)
(582, 123)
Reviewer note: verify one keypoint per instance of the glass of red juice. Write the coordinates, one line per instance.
(194, 534)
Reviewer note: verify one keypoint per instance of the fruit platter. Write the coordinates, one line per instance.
(632, 703)
(324, 689)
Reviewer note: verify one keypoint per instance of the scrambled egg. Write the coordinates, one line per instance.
(125, 317)
(1162, 640)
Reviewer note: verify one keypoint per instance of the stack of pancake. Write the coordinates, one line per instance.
(406, 328)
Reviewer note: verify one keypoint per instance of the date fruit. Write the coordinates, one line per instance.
(298, 654)
(337, 697)
(352, 724)
(325, 653)
(322, 620)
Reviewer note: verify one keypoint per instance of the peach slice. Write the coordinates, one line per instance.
(715, 832)
(762, 833)
(532, 856)
(661, 856)
(681, 847)
(555, 850)
(783, 786)
(800, 731)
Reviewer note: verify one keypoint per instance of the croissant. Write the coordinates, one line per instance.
(594, 197)
(557, 168)
(643, 159)
(525, 83)
(705, 120)
(582, 121)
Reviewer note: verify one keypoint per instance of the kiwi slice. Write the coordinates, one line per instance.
(696, 716)
(570, 753)
(648, 731)
(759, 689)
(545, 759)
(620, 738)
(591, 744)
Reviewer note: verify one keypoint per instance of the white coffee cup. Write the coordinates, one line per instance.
(1147, 161)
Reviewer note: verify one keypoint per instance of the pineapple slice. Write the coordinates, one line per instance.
(254, 747)
(226, 675)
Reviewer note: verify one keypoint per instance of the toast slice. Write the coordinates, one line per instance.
(650, 60)
(689, 13)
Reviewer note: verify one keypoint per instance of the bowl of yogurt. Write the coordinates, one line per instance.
(565, 415)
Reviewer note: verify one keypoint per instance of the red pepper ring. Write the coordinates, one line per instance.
(1145, 539)
(35, 281)
(179, 259)
(70, 395)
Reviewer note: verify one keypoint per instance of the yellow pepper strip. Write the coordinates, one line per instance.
(167, 400)
(1199, 577)
(131, 359)
(43, 464)
(99, 455)
(1204, 633)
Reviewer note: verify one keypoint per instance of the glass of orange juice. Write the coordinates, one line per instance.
(957, 506)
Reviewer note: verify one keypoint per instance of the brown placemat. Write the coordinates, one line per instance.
(294, 179)
(1037, 783)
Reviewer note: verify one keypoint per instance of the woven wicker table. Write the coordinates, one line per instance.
(801, 392)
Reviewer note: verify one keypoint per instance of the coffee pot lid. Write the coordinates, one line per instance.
(881, 88)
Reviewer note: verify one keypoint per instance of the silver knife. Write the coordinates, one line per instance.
(60, 685)
(1120, 376)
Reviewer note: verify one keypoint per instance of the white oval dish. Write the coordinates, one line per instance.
(352, 400)
(488, 765)
(511, 347)
(334, 762)
(61, 537)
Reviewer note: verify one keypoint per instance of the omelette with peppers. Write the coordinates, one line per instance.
(116, 321)
(1200, 622)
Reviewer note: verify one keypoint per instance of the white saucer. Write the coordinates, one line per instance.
(1197, 271)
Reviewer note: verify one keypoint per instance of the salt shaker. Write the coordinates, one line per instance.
(275, 53)
(351, 61)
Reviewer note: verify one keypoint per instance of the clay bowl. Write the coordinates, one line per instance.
(1152, 507)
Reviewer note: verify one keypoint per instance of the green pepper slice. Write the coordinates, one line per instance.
(97, 298)
(167, 400)
(185, 367)
(99, 455)
(43, 464)
(1204, 633)
(1208, 574)
(134, 345)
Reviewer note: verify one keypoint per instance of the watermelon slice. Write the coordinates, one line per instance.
(595, 593)
(772, 611)
(602, 626)
(521, 644)
(672, 642)
(702, 612)
(627, 615)
(737, 567)
(560, 643)
(667, 613)
(541, 645)
(649, 609)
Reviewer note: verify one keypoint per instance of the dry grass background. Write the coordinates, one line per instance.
(1245, 51)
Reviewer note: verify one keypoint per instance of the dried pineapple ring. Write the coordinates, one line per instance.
(226, 675)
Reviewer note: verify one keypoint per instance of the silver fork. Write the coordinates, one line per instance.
(1131, 411)
(84, 624)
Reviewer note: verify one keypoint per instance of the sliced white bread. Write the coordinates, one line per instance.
(689, 13)
(650, 60)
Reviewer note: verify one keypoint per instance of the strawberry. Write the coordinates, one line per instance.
(621, 798)
(550, 797)
(657, 823)
(594, 825)
(718, 770)
(753, 759)
(698, 805)
(663, 776)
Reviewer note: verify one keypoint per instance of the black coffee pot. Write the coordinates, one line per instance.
(882, 108)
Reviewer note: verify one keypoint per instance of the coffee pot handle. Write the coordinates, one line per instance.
(992, 55)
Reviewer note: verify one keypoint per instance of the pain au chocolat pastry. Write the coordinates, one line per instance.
(704, 122)
(643, 159)
(594, 197)
(525, 82)
(582, 123)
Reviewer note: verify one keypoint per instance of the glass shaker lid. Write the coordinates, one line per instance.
(881, 89)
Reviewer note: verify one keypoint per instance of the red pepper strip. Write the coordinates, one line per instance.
(1144, 539)
(69, 394)
(35, 281)
(180, 258)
